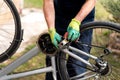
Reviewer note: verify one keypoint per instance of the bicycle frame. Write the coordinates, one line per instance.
(82, 60)
(4, 73)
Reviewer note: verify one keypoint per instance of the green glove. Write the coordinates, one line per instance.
(73, 30)
(55, 37)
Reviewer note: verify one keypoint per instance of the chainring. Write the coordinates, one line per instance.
(45, 44)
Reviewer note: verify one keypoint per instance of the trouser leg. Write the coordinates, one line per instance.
(85, 37)
(49, 74)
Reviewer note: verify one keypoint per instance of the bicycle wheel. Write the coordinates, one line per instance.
(106, 36)
(10, 29)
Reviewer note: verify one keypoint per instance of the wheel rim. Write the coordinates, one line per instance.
(10, 28)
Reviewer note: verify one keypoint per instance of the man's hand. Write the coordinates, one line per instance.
(55, 37)
(73, 30)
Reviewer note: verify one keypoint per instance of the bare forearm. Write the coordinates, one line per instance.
(48, 8)
(85, 10)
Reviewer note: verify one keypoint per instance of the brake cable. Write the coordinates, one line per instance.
(106, 50)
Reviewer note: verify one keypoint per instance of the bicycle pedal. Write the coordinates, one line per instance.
(45, 44)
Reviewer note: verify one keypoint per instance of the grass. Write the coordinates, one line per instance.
(33, 3)
(101, 13)
(36, 62)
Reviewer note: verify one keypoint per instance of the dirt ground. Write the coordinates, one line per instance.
(33, 24)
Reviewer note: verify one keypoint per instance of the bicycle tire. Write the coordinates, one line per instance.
(61, 57)
(17, 37)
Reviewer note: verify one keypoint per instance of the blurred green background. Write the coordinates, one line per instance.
(33, 3)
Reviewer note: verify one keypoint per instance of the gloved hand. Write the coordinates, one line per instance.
(73, 30)
(55, 37)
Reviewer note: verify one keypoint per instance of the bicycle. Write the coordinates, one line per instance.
(98, 65)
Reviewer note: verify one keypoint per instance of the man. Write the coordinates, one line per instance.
(67, 16)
